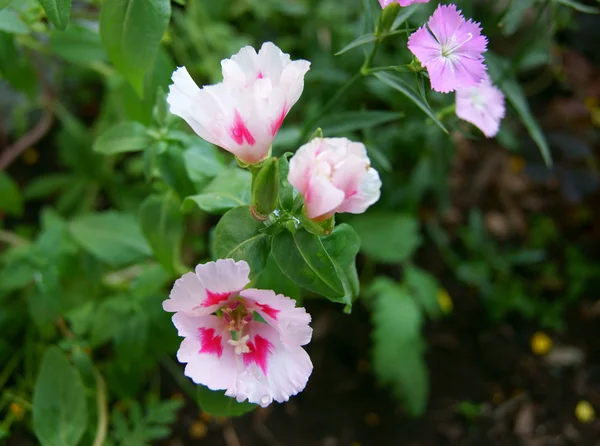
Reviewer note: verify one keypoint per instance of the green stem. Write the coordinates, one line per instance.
(10, 238)
(102, 410)
(449, 110)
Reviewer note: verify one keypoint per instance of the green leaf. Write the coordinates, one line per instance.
(202, 160)
(123, 137)
(514, 15)
(59, 404)
(347, 122)
(228, 190)
(398, 345)
(577, 6)
(425, 288)
(44, 186)
(404, 15)
(11, 200)
(219, 405)
(131, 31)
(173, 172)
(400, 85)
(162, 224)
(387, 237)
(343, 245)
(111, 236)
(77, 44)
(11, 22)
(58, 11)
(501, 73)
(272, 278)
(362, 40)
(237, 237)
(303, 258)
(4, 4)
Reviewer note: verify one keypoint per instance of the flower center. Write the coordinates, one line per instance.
(450, 48)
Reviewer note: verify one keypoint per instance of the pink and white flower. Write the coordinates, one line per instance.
(384, 3)
(451, 49)
(334, 175)
(243, 113)
(482, 106)
(247, 342)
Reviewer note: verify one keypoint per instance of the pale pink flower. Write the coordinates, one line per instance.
(334, 175)
(482, 106)
(384, 3)
(451, 49)
(246, 342)
(243, 113)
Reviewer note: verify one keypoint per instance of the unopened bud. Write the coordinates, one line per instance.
(265, 189)
(387, 18)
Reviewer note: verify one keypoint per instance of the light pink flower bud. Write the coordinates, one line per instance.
(334, 175)
(243, 113)
(265, 361)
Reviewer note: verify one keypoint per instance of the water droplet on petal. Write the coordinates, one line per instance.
(265, 399)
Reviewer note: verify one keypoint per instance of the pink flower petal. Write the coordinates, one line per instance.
(482, 106)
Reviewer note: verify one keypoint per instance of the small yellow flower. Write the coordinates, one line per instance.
(517, 163)
(30, 156)
(445, 301)
(540, 343)
(17, 410)
(584, 412)
(198, 430)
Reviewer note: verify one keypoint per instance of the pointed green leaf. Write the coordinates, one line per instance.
(343, 245)
(59, 403)
(11, 200)
(123, 137)
(11, 22)
(131, 31)
(362, 40)
(237, 237)
(162, 224)
(230, 189)
(351, 121)
(578, 6)
(4, 4)
(400, 85)
(501, 73)
(58, 11)
(303, 258)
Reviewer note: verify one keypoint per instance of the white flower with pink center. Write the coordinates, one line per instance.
(243, 113)
(334, 175)
(247, 342)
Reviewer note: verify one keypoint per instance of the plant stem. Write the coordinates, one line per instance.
(102, 410)
(12, 239)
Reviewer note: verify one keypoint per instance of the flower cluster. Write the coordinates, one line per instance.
(248, 342)
(451, 49)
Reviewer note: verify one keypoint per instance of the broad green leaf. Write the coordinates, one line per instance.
(111, 236)
(230, 189)
(123, 137)
(387, 237)
(400, 85)
(131, 31)
(58, 11)
(424, 287)
(347, 122)
(398, 345)
(303, 258)
(162, 224)
(343, 245)
(362, 40)
(173, 172)
(11, 22)
(15, 67)
(501, 73)
(77, 44)
(237, 237)
(272, 278)
(11, 201)
(59, 402)
(219, 405)
(578, 6)
(202, 160)
(4, 4)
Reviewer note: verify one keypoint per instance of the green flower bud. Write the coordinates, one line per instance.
(265, 189)
(387, 18)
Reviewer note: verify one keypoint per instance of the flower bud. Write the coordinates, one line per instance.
(387, 18)
(265, 189)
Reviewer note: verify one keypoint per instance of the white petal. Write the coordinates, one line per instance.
(187, 293)
(181, 97)
(224, 275)
(368, 193)
(291, 322)
(288, 370)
